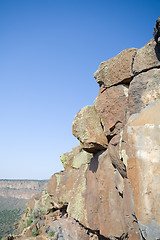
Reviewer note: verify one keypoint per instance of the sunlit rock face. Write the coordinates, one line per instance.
(116, 70)
(87, 129)
(143, 168)
(111, 106)
(147, 57)
(144, 90)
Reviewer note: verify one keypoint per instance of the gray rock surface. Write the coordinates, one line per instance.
(143, 90)
(147, 57)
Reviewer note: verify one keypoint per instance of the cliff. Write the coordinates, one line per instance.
(21, 189)
(110, 185)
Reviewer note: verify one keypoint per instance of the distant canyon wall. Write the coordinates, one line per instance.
(23, 189)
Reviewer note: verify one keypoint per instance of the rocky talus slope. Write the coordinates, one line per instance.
(110, 186)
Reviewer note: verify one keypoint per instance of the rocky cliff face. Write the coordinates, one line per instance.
(110, 186)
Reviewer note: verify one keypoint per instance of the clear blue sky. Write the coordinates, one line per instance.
(49, 50)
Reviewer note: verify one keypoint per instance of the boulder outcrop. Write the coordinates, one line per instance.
(147, 57)
(88, 130)
(111, 105)
(144, 90)
(116, 70)
(109, 188)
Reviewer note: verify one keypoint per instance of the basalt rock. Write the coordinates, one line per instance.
(116, 70)
(75, 158)
(143, 168)
(111, 105)
(88, 130)
(147, 57)
(94, 196)
(144, 90)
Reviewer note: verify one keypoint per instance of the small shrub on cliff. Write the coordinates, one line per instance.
(31, 219)
(35, 232)
(51, 233)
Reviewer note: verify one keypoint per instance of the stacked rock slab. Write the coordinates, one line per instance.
(110, 185)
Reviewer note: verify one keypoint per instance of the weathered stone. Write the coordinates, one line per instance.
(129, 214)
(81, 158)
(143, 168)
(147, 57)
(116, 160)
(111, 106)
(75, 158)
(94, 194)
(116, 70)
(103, 202)
(69, 187)
(69, 229)
(143, 90)
(88, 130)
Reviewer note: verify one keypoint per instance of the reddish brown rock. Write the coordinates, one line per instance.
(94, 195)
(103, 203)
(88, 130)
(147, 57)
(129, 215)
(143, 168)
(111, 106)
(117, 161)
(144, 90)
(116, 70)
(68, 187)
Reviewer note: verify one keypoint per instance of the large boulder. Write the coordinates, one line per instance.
(88, 130)
(111, 106)
(116, 70)
(143, 90)
(143, 167)
(147, 57)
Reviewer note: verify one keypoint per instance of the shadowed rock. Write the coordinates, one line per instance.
(156, 32)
